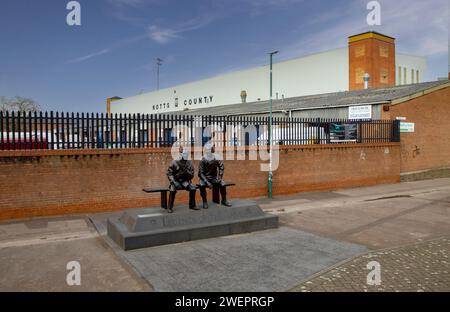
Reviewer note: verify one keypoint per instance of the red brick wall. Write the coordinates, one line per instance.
(429, 146)
(39, 183)
(375, 57)
(312, 169)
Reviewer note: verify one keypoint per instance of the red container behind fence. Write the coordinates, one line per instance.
(23, 144)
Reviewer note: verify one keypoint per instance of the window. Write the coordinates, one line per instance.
(360, 51)
(384, 51)
(417, 76)
(412, 75)
(404, 76)
(399, 75)
(359, 75)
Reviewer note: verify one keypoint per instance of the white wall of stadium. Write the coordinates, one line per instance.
(319, 73)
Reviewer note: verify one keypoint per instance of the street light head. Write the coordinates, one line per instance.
(274, 52)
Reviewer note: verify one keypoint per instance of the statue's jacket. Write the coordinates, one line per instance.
(211, 170)
(181, 170)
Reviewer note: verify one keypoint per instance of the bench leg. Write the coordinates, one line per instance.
(215, 195)
(164, 199)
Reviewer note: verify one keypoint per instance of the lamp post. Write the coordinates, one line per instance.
(271, 54)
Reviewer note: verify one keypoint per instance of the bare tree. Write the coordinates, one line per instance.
(18, 103)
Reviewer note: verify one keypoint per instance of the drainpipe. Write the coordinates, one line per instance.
(366, 81)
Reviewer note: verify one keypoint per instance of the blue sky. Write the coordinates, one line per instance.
(113, 52)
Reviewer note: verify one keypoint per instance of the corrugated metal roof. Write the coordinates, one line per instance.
(339, 99)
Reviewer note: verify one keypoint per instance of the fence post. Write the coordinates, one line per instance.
(138, 130)
(13, 131)
(46, 144)
(19, 141)
(7, 130)
(318, 132)
(107, 131)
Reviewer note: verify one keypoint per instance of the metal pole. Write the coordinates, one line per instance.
(158, 64)
(270, 127)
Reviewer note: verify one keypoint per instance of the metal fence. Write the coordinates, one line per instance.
(54, 130)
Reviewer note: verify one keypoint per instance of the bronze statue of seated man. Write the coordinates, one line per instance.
(180, 174)
(210, 173)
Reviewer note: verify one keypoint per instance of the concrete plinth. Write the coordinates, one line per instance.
(147, 227)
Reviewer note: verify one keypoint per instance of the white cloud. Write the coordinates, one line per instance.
(161, 35)
(124, 10)
(419, 26)
(164, 35)
(89, 56)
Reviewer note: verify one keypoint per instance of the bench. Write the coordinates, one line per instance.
(163, 192)
(216, 193)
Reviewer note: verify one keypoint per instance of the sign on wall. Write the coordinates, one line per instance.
(360, 112)
(407, 127)
(340, 133)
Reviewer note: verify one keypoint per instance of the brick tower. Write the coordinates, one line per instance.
(374, 54)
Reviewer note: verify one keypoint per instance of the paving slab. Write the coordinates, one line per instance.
(272, 260)
(34, 256)
(378, 217)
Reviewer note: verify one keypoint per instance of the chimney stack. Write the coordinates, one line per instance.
(244, 96)
(373, 54)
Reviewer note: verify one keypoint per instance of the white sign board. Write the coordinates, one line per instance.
(360, 112)
(407, 127)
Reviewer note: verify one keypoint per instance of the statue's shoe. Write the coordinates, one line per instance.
(226, 203)
(194, 208)
(170, 210)
(205, 206)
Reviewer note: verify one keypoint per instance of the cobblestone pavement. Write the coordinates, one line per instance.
(419, 267)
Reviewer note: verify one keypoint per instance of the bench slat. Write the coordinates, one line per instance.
(156, 190)
(226, 184)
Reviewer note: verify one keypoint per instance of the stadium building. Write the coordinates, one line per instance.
(369, 61)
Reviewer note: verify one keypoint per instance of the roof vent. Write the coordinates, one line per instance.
(244, 96)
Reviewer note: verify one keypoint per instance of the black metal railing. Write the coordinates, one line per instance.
(55, 130)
